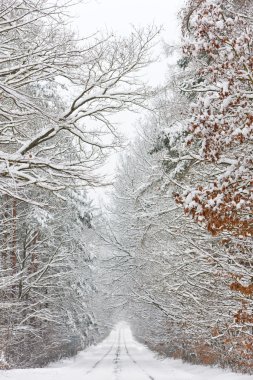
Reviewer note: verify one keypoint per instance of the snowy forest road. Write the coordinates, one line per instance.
(120, 357)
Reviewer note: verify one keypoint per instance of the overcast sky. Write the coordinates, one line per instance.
(120, 16)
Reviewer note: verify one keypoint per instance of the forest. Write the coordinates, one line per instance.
(170, 250)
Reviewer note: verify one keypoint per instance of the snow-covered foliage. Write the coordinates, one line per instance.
(191, 290)
(172, 251)
(47, 282)
(219, 45)
(58, 93)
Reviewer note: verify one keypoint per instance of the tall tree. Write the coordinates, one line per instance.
(218, 48)
(58, 93)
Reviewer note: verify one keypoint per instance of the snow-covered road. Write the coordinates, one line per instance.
(120, 357)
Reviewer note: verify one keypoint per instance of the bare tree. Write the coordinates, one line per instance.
(58, 94)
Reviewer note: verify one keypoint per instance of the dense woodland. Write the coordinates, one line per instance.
(170, 251)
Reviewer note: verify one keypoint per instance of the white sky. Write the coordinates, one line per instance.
(120, 16)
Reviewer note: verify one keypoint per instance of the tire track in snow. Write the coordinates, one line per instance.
(101, 359)
(116, 360)
(136, 363)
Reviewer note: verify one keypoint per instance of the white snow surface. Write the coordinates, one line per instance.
(120, 357)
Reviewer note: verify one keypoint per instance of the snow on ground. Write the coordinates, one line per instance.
(120, 357)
